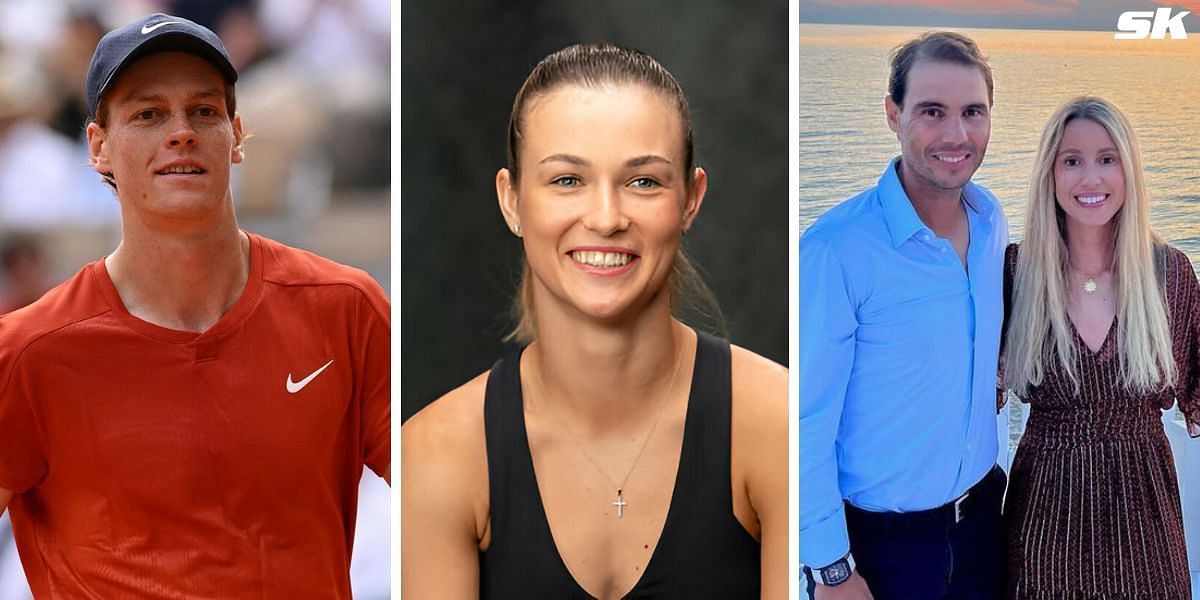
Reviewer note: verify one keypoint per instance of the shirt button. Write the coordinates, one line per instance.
(925, 237)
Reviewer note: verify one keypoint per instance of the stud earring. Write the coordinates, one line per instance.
(517, 229)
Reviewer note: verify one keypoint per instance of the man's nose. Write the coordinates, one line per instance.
(181, 131)
(955, 131)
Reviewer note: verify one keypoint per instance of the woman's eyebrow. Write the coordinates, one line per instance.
(645, 160)
(568, 158)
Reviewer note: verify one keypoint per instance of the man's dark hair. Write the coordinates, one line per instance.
(945, 46)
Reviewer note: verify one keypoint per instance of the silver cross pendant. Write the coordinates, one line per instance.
(620, 504)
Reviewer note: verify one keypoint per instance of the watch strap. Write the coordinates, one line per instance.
(835, 573)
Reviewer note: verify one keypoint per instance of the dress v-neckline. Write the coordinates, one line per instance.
(672, 509)
(1112, 325)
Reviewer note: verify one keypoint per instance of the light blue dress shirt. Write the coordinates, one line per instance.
(898, 352)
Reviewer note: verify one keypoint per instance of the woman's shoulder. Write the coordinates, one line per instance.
(759, 435)
(443, 449)
(1175, 259)
(1180, 276)
(451, 420)
(443, 478)
(760, 387)
(757, 375)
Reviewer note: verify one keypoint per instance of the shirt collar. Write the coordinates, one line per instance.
(899, 214)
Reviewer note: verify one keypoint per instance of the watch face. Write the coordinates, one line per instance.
(836, 573)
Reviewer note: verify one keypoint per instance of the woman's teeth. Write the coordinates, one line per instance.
(601, 259)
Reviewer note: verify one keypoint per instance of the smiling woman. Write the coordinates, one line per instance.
(1103, 336)
(620, 452)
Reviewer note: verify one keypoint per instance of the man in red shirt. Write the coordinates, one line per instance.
(190, 416)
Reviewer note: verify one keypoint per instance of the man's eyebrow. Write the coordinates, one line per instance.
(136, 96)
(645, 160)
(929, 104)
(980, 106)
(567, 158)
(207, 93)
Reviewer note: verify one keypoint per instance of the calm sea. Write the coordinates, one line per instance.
(845, 141)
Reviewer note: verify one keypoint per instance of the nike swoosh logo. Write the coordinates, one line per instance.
(148, 28)
(292, 388)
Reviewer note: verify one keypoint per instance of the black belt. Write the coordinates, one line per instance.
(946, 515)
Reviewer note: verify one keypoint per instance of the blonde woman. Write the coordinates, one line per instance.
(1102, 337)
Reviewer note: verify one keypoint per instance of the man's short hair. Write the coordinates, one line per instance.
(945, 46)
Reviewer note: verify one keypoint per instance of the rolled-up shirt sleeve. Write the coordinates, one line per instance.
(827, 328)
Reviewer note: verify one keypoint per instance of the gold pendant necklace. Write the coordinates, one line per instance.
(1089, 279)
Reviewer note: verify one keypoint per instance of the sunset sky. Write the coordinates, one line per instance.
(1096, 15)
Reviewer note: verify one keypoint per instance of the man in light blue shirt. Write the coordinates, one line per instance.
(900, 312)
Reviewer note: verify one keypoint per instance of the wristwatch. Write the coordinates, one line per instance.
(836, 573)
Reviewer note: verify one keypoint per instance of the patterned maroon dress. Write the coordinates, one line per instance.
(1093, 505)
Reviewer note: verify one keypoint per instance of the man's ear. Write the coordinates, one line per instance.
(97, 150)
(237, 154)
(893, 113)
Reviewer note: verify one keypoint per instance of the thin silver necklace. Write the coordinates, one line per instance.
(620, 502)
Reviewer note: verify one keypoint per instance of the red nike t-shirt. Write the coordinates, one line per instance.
(149, 462)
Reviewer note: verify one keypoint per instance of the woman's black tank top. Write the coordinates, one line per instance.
(704, 552)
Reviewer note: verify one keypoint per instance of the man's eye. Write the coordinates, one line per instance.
(930, 112)
(146, 115)
(206, 111)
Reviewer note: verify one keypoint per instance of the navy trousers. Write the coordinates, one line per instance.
(952, 552)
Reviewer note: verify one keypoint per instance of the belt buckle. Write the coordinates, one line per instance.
(958, 507)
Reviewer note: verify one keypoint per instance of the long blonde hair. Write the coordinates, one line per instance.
(1039, 333)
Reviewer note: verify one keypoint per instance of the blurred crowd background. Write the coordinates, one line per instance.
(313, 90)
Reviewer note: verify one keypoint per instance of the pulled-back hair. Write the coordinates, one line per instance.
(592, 66)
(945, 46)
(595, 65)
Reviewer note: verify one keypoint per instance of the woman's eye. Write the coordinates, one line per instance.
(644, 183)
(1071, 162)
(566, 181)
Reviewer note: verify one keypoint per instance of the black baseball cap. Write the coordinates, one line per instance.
(158, 32)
